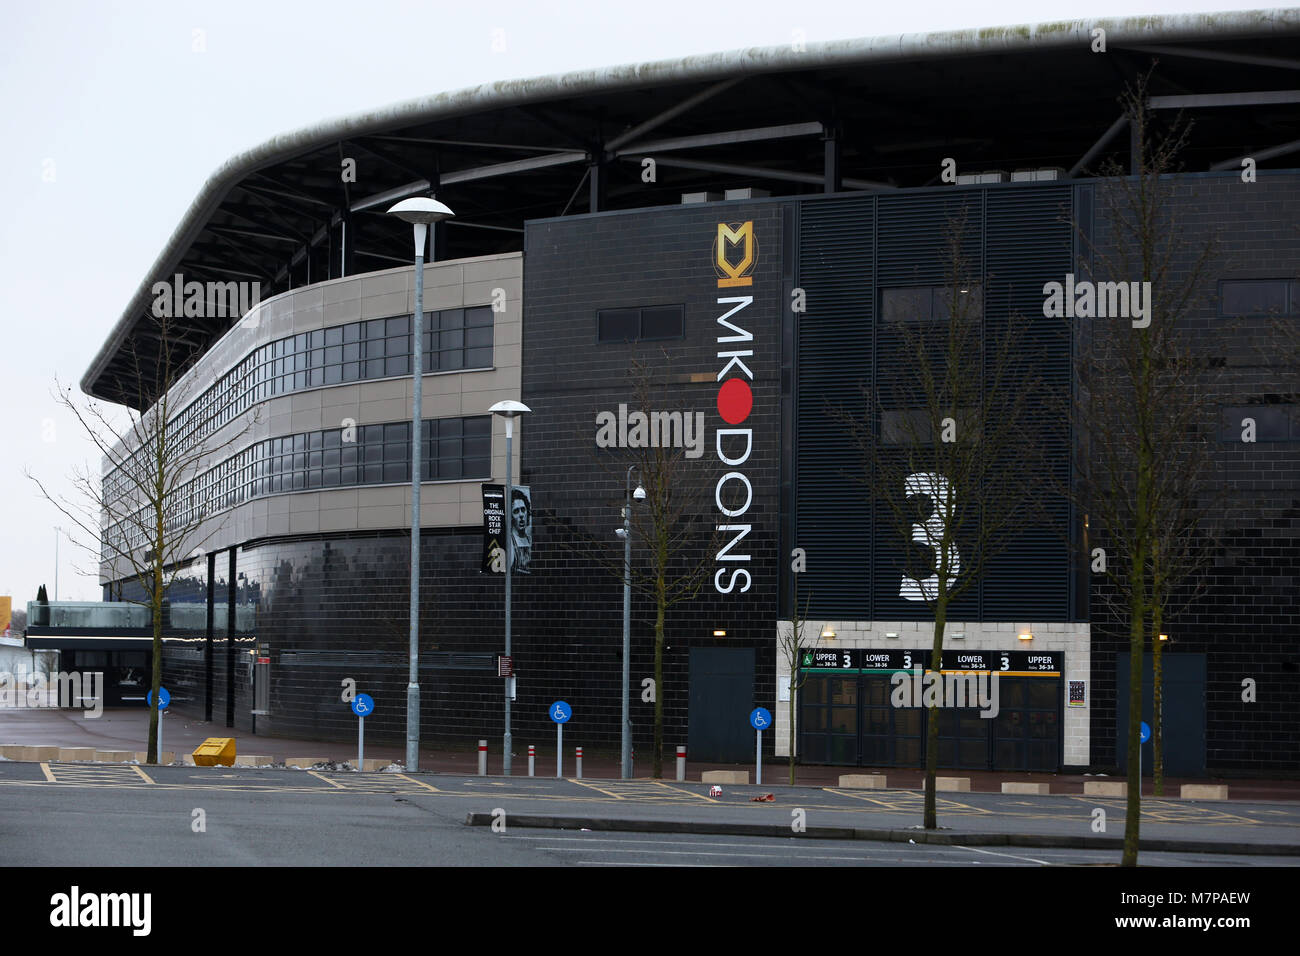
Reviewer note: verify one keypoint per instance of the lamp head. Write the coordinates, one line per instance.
(509, 408)
(639, 494)
(421, 209)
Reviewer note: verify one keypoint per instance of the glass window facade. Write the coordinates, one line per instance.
(452, 449)
(454, 340)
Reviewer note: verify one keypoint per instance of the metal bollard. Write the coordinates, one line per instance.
(482, 758)
(681, 764)
(579, 750)
(532, 756)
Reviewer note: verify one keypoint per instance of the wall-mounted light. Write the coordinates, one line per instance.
(828, 632)
(891, 634)
(1025, 636)
(1164, 637)
(719, 633)
(959, 636)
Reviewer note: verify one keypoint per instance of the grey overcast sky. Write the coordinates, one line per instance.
(111, 122)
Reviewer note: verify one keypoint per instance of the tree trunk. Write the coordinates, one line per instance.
(1157, 710)
(1133, 809)
(657, 761)
(792, 690)
(156, 679)
(932, 718)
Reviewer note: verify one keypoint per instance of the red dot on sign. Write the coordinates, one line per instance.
(735, 401)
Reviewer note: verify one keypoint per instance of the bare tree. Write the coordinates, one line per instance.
(1145, 406)
(793, 646)
(673, 540)
(952, 427)
(148, 513)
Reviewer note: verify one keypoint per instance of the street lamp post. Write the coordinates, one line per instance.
(625, 533)
(509, 410)
(420, 212)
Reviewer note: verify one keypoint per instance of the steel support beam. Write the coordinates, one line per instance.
(831, 163)
(1097, 147)
(781, 175)
(1248, 58)
(722, 139)
(672, 112)
(1210, 100)
(1259, 154)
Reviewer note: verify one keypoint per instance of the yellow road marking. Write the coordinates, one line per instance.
(592, 786)
(402, 776)
(698, 796)
(147, 779)
(337, 786)
(49, 777)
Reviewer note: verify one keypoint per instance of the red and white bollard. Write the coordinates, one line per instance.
(681, 763)
(579, 751)
(532, 756)
(482, 758)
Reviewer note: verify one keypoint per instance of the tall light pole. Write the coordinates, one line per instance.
(509, 410)
(625, 533)
(420, 212)
(56, 563)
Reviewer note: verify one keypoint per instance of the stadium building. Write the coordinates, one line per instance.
(671, 214)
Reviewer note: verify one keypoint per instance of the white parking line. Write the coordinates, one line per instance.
(596, 849)
(1030, 859)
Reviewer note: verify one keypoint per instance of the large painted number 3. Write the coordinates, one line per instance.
(936, 488)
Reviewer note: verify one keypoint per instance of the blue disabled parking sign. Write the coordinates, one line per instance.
(1146, 732)
(164, 698)
(363, 705)
(760, 719)
(560, 712)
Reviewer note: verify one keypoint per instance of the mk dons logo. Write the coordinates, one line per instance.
(735, 238)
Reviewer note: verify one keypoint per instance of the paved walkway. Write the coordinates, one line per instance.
(127, 729)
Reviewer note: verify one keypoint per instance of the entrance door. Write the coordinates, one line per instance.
(1184, 707)
(721, 697)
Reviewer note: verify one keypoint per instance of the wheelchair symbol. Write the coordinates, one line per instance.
(559, 713)
(361, 707)
(759, 720)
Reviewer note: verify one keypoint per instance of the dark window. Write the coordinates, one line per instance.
(617, 325)
(924, 303)
(1258, 297)
(653, 323)
(663, 322)
(900, 305)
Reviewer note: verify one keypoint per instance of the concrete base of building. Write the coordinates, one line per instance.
(862, 781)
(1011, 786)
(39, 754)
(114, 756)
(304, 762)
(1105, 788)
(253, 760)
(1203, 791)
(76, 753)
(952, 784)
(165, 759)
(725, 776)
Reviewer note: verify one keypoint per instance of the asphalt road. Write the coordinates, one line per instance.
(112, 815)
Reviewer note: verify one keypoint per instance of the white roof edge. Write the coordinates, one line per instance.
(748, 61)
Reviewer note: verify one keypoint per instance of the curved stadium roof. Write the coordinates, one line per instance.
(845, 115)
